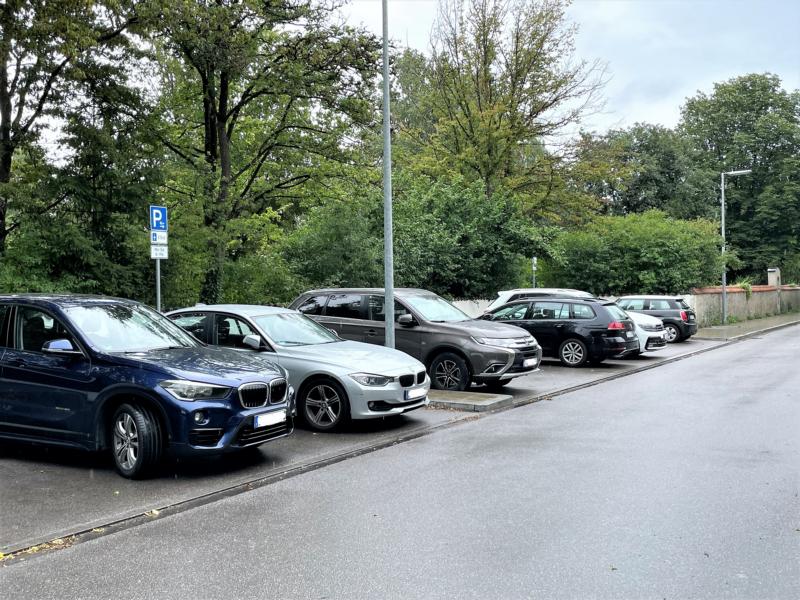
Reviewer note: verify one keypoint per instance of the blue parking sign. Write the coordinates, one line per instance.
(158, 218)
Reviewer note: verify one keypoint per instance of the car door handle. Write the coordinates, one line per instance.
(371, 332)
(16, 362)
(559, 325)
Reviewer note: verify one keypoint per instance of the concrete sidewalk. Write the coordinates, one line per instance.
(748, 328)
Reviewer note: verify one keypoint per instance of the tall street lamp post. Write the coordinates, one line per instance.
(388, 241)
(722, 219)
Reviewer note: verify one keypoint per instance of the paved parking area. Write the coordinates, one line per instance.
(49, 493)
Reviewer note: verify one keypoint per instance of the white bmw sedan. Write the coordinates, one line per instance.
(336, 380)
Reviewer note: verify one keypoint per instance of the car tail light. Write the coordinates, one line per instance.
(684, 318)
(616, 325)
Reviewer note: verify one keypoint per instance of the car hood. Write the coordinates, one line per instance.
(642, 319)
(207, 364)
(486, 329)
(356, 357)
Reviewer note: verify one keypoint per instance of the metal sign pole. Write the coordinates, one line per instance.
(158, 284)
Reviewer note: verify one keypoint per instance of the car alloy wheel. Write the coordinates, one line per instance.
(572, 353)
(324, 406)
(672, 333)
(448, 374)
(126, 441)
(136, 440)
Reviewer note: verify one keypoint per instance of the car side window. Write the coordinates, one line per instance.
(34, 328)
(513, 312)
(194, 323)
(313, 305)
(550, 310)
(230, 331)
(376, 307)
(632, 304)
(347, 306)
(582, 311)
(659, 304)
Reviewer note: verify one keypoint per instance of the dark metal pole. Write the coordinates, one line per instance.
(388, 241)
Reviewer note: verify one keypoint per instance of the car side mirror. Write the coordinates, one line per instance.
(253, 341)
(406, 320)
(62, 347)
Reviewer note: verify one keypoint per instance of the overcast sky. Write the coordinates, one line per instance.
(658, 52)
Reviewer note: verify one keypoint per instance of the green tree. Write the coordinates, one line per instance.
(500, 80)
(260, 95)
(750, 122)
(44, 47)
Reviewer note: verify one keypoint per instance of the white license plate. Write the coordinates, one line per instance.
(272, 418)
(416, 393)
(529, 362)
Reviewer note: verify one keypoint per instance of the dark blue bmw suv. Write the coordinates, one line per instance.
(103, 373)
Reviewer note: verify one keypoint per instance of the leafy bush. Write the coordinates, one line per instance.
(639, 253)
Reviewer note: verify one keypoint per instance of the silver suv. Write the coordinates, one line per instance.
(456, 349)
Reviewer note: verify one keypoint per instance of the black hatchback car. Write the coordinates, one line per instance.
(680, 322)
(575, 330)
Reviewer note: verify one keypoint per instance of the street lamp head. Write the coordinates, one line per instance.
(742, 172)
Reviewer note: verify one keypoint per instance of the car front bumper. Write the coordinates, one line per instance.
(495, 363)
(373, 402)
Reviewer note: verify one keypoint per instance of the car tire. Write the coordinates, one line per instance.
(323, 405)
(449, 371)
(497, 385)
(673, 334)
(136, 440)
(573, 353)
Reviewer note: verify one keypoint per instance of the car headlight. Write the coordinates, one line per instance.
(371, 379)
(506, 342)
(193, 390)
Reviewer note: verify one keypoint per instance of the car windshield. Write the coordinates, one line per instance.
(293, 329)
(128, 328)
(616, 312)
(436, 309)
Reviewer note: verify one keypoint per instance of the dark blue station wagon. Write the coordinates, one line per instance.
(101, 373)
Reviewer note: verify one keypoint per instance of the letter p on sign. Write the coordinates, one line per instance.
(158, 218)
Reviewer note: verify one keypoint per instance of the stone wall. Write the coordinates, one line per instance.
(763, 301)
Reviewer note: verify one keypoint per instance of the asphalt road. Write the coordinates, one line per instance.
(678, 482)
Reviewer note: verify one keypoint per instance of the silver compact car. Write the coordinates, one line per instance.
(336, 380)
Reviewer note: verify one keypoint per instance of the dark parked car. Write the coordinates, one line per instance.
(101, 373)
(680, 322)
(455, 348)
(575, 330)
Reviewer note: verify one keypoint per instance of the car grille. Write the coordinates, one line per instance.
(205, 437)
(277, 391)
(409, 380)
(253, 395)
(249, 436)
